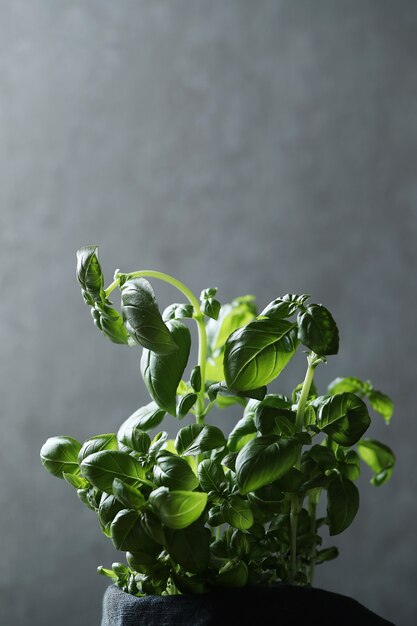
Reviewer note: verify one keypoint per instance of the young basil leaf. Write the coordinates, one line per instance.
(207, 293)
(233, 575)
(110, 322)
(97, 443)
(237, 512)
(89, 274)
(108, 508)
(144, 418)
(244, 428)
(274, 416)
(127, 533)
(129, 496)
(258, 352)
(263, 460)
(174, 472)
(210, 475)
(186, 404)
(382, 404)
(268, 498)
(59, 455)
(222, 389)
(380, 459)
(349, 464)
(177, 311)
(143, 319)
(317, 330)
(347, 384)
(141, 561)
(195, 378)
(281, 308)
(101, 468)
(323, 456)
(162, 373)
(199, 440)
(344, 418)
(328, 554)
(177, 509)
(290, 482)
(211, 308)
(151, 524)
(160, 439)
(189, 547)
(342, 503)
(76, 481)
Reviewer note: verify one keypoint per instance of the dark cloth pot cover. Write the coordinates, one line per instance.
(284, 605)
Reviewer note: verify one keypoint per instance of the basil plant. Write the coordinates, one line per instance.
(212, 509)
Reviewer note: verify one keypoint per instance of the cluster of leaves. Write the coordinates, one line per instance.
(205, 510)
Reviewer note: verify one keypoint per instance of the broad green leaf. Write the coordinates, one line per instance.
(162, 373)
(157, 443)
(210, 475)
(143, 319)
(215, 516)
(232, 316)
(290, 482)
(222, 389)
(144, 418)
(283, 307)
(152, 525)
(244, 427)
(211, 308)
(177, 311)
(177, 509)
(268, 498)
(347, 384)
(189, 547)
(174, 472)
(349, 466)
(317, 330)
(59, 455)
(258, 352)
(274, 416)
(97, 443)
(186, 404)
(136, 439)
(382, 404)
(199, 440)
(380, 459)
(195, 378)
(342, 503)
(127, 533)
(237, 512)
(232, 575)
(101, 468)
(128, 496)
(89, 274)
(263, 460)
(108, 509)
(344, 418)
(141, 561)
(323, 456)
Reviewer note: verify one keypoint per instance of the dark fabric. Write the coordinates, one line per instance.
(284, 605)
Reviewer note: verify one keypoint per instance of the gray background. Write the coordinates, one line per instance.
(262, 147)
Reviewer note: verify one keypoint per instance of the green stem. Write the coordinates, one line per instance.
(312, 506)
(198, 316)
(295, 501)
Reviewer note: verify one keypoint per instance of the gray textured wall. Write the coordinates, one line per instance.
(262, 147)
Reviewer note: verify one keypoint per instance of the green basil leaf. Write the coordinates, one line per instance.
(141, 561)
(344, 418)
(143, 319)
(101, 468)
(281, 308)
(268, 498)
(380, 459)
(382, 404)
(97, 443)
(342, 503)
(110, 322)
(263, 460)
(162, 373)
(177, 509)
(349, 464)
(129, 496)
(89, 274)
(151, 524)
(317, 330)
(237, 512)
(347, 384)
(157, 442)
(174, 472)
(186, 404)
(127, 533)
(144, 418)
(195, 378)
(323, 456)
(189, 547)
(233, 575)
(258, 352)
(136, 439)
(75, 481)
(328, 554)
(222, 389)
(274, 416)
(177, 311)
(210, 475)
(199, 440)
(108, 508)
(243, 432)
(290, 482)
(59, 455)
(211, 308)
